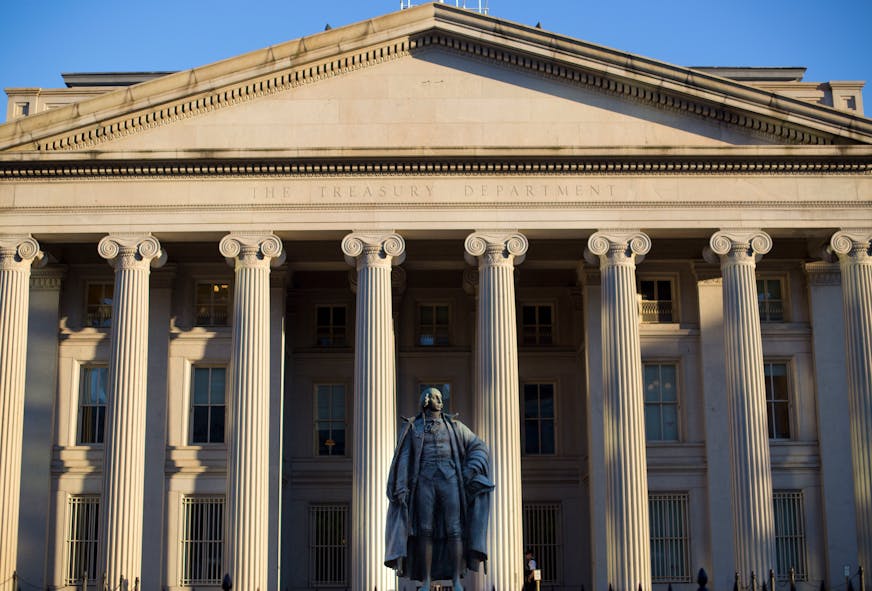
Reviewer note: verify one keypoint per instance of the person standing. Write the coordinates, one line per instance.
(529, 571)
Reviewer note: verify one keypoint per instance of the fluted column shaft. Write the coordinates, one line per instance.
(132, 255)
(750, 472)
(247, 504)
(854, 248)
(375, 404)
(17, 253)
(629, 554)
(497, 399)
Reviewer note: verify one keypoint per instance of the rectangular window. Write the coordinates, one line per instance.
(330, 326)
(789, 535)
(93, 387)
(202, 540)
(661, 402)
(84, 520)
(777, 400)
(537, 324)
(770, 300)
(433, 325)
(670, 550)
(22, 109)
(98, 304)
(444, 387)
(542, 535)
(330, 419)
(328, 545)
(538, 419)
(213, 303)
(656, 300)
(207, 405)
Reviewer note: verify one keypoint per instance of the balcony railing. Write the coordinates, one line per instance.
(653, 311)
(771, 311)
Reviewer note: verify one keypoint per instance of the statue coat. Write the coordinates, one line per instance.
(472, 462)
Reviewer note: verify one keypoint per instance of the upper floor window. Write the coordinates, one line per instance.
(433, 324)
(538, 419)
(213, 303)
(98, 304)
(208, 405)
(330, 419)
(770, 300)
(670, 548)
(443, 387)
(537, 324)
(661, 402)
(328, 545)
(657, 303)
(777, 400)
(81, 538)
(542, 534)
(93, 387)
(789, 534)
(202, 540)
(330, 326)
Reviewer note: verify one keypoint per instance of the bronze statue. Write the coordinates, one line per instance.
(439, 491)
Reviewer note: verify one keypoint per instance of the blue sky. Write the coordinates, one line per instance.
(39, 40)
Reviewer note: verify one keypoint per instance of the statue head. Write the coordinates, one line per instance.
(431, 399)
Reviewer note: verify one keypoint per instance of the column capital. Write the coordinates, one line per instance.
(617, 247)
(131, 251)
(18, 251)
(495, 248)
(374, 249)
(737, 246)
(852, 243)
(252, 249)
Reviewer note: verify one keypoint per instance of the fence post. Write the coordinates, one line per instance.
(736, 581)
(862, 583)
(84, 580)
(771, 580)
(753, 581)
(792, 579)
(15, 580)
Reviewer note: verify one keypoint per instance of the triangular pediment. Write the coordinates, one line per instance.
(432, 78)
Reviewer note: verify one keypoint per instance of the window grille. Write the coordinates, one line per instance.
(657, 302)
(538, 419)
(770, 300)
(789, 535)
(213, 303)
(98, 304)
(537, 324)
(330, 326)
(328, 545)
(433, 325)
(444, 387)
(84, 523)
(661, 402)
(670, 550)
(202, 540)
(543, 535)
(208, 405)
(777, 400)
(330, 419)
(93, 386)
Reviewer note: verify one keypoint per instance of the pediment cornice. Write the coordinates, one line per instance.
(94, 122)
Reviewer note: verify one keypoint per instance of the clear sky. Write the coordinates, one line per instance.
(41, 39)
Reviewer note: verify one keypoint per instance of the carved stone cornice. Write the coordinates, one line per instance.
(252, 249)
(18, 252)
(821, 273)
(365, 249)
(853, 243)
(47, 278)
(617, 247)
(131, 251)
(730, 246)
(494, 248)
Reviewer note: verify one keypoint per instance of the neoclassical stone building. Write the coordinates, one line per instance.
(647, 287)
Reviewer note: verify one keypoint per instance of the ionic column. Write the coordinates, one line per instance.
(247, 505)
(375, 403)
(629, 554)
(750, 473)
(497, 399)
(17, 254)
(132, 256)
(854, 248)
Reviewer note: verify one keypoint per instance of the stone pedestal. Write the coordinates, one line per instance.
(751, 475)
(17, 254)
(375, 404)
(132, 256)
(628, 543)
(247, 505)
(854, 248)
(497, 399)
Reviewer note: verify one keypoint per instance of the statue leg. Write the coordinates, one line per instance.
(457, 552)
(427, 551)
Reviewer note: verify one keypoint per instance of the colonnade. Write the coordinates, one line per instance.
(494, 254)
